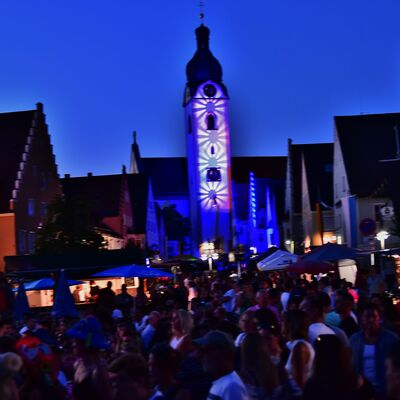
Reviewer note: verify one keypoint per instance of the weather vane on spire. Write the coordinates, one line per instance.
(201, 6)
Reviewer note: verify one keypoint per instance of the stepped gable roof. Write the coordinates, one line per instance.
(138, 185)
(169, 175)
(263, 167)
(102, 192)
(364, 141)
(318, 162)
(14, 130)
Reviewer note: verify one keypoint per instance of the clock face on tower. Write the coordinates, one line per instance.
(210, 90)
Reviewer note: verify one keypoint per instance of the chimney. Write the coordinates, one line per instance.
(90, 174)
(67, 176)
(39, 107)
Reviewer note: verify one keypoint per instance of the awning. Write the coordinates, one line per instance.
(278, 260)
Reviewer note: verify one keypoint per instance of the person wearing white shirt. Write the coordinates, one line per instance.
(218, 353)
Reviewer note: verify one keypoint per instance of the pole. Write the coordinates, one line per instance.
(210, 263)
(239, 270)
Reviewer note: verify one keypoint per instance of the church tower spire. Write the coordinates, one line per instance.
(208, 147)
(136, 161)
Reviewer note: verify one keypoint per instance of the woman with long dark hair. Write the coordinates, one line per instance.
(257, 370)
(333, 376)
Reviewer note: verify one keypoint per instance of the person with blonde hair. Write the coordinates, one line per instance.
(10, 364)
(182, 325)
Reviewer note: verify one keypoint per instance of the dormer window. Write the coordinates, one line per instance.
(210, 122)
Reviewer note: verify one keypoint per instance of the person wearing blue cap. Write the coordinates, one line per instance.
(218, 355)
(90, 377)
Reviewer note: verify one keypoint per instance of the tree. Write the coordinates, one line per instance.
(68, 227)
(177, 227)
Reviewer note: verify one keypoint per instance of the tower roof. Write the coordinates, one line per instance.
(136, 161)
(203, 66)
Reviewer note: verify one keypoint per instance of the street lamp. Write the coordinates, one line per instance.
(232, 257)
(208, 253)
(289, 245)
(382, 236)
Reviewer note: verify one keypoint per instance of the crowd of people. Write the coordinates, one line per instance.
(211, 336)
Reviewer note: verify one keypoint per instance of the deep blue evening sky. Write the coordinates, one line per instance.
(103, 68)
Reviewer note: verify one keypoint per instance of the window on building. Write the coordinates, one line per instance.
(31, 242)
(210, 122)
(43, 209)
(22, 241)
(328, 168)
(42, 181)
(31, 207)
(34, 170)
(377, 213)
(212, 150)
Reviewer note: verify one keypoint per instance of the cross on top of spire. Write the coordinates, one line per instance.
(201, 6)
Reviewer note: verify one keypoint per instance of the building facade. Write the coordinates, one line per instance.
(28, 179)
(366, 172)
(309, 211)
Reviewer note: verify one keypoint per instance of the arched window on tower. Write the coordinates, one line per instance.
(212, 151)
(210, 122)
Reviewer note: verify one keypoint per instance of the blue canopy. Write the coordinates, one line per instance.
(47, 284)
(64, 305)
(21, 305)
(331, 252)
(133, 271)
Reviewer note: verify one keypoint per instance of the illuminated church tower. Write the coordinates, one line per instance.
(208, 148)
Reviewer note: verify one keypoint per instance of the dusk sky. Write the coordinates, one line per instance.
(104, 68)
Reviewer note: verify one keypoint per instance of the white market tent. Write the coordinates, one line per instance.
(278, 260)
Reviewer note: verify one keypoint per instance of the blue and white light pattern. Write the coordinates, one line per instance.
(213, 149)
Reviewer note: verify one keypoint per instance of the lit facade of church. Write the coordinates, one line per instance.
(229, 201)
(208, 147)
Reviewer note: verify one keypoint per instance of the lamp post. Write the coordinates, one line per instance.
(290, 245)
(382, 236)
(234, 257)
(208, 253)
